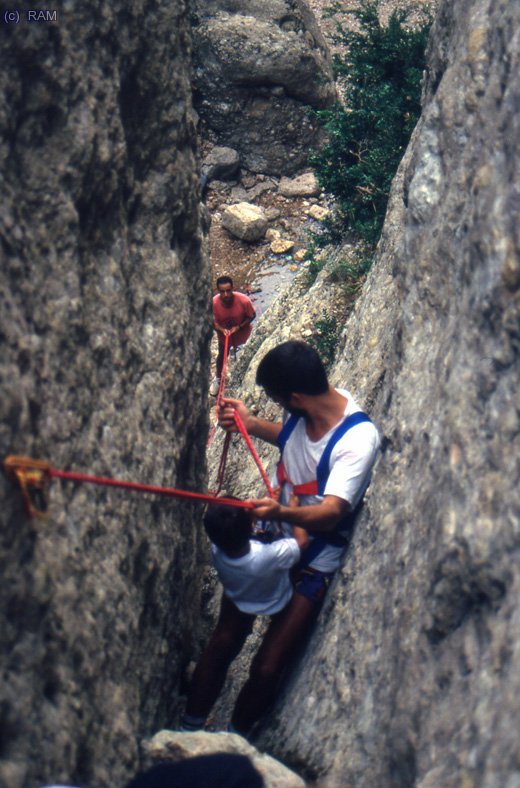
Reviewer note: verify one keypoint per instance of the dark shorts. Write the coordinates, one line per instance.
(312, 584)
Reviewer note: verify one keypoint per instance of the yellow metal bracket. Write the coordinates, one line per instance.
(33, 477)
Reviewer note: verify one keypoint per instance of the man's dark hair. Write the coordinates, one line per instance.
(224, 280)
(228, 527)
(290, 368)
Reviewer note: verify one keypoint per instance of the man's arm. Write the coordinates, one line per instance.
(261, 428)
(323, 516)
(220, 328)
(301, 536)
(245, 322)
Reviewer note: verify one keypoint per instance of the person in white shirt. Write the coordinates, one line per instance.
(328, 450)
(256, 582)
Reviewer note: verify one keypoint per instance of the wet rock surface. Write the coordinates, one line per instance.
(104, 368)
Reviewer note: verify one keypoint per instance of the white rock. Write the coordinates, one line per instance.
(245, 221)
(176, 746)
(281, 246)
(318, 212)
(304, 185)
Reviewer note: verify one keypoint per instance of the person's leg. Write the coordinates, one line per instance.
(281, 640)
(229, 635)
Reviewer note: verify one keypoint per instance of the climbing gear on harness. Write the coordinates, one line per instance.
(315, 486)
(312, 584)
(34, 476)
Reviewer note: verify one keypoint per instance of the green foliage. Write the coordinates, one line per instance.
(325, 338)
(351, 273)
(380, 77)
(315, 258)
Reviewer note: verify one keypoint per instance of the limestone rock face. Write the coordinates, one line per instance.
(258, 67)
(411, 678)
(104, 330)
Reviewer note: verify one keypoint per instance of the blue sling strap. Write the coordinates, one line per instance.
(320, 540)
(323, 470)
(286, 431)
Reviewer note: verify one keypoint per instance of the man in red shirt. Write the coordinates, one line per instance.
(233, 314)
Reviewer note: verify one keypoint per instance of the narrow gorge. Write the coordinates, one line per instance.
(412, 675)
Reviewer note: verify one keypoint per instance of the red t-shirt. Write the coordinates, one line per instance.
(229, 316)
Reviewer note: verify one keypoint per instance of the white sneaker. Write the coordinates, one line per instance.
(215, 385)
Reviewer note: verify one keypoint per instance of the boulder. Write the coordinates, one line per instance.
(173, 746)
(221, 164)
(281, 246)
(304, 185)
(245, 221)
(318, 212)
(258, 68)
(272, 213)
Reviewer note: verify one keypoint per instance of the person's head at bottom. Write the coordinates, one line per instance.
(219, 770)
(228, 527)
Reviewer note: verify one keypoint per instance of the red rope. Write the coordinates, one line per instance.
(148, 488)
(241, 428)
(222, 386)
(222, 464)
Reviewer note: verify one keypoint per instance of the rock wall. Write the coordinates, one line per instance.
(259, 67)
(412, 676)
(104, 330)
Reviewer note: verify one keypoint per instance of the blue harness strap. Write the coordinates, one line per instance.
(320, 541)
(286, 431)
(323, 470)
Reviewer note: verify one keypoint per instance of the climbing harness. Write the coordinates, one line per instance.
(34, 476)
(317, 486)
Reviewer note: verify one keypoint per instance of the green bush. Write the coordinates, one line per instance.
(352, 272)
(325, 338)
(380, 77)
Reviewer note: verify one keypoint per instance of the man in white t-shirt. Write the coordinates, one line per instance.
(256, 582)
(329, 448)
